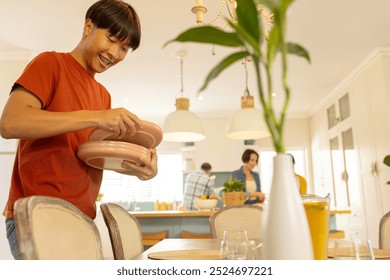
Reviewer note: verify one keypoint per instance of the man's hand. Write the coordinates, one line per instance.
(120, 121)
(145, 172)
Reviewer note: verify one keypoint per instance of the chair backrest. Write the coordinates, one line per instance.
(242, 217)
(50, 228)
(384, 232)
(124, 230)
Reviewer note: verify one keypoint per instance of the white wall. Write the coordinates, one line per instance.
(222, 153)
(5, 177)
(10, 70)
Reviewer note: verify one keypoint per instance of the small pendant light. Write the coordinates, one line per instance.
(248, 122)
(182, 125)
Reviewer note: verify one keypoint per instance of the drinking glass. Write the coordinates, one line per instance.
(234, 245)
(317, 213)
(253, 250)
(259, 252)
(353, 249)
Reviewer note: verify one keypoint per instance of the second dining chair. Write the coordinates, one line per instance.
(124, 230)
(238, 218)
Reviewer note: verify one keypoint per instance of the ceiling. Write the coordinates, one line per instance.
(339, 35)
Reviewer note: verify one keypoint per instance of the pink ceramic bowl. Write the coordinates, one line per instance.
(150, 136)
(109, 155)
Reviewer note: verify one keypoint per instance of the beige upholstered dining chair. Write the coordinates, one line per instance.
(50, 228)
(124, 230)
(242, 217)
(384, 232)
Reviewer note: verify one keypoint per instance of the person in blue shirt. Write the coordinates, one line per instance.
(251, 179)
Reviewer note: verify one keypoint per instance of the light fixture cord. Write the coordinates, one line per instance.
(181, 75)
(246, 92)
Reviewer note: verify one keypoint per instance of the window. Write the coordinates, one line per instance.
(166, 186)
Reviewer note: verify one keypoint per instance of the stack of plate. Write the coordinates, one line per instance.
(104, 150)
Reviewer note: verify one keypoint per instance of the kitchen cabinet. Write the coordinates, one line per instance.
(345, 164)
(352, 141)
(343, 153)
(372, 102)
(174, 222)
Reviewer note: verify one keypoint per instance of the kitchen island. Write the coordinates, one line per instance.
(174, 222)
(170, 213)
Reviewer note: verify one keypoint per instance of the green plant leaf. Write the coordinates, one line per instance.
(273, 44)
(293, 48)
(208, 35)
(273, 5)
(247, 17)
(276, 6)
(226, 62)
(233, 185)
(386, 160)
(284, 5)
(248, 41)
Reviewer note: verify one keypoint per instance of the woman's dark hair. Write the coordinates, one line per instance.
(119, 18)
(247, 155)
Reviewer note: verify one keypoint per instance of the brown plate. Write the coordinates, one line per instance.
(150, 136)
(109, 155)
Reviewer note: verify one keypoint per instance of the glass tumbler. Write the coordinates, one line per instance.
(317, 213)
(234, 245)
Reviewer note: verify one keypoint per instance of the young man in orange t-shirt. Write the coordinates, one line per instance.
(56, 103)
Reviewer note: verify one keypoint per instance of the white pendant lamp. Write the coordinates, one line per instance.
(182, 125)
(248, 122)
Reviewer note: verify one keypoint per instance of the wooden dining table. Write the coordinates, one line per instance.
(181, 248)
(203, 249)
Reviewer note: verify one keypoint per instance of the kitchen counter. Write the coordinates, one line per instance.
(177, 213)
(171, 213)
(174, 221)
(340, 211)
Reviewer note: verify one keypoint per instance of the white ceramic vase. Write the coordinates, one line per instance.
(286, 233)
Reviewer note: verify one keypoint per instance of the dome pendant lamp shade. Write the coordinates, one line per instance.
(183, 125)
(248, 122)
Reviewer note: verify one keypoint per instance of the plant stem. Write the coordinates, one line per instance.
(274, 127)
(285, 83)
